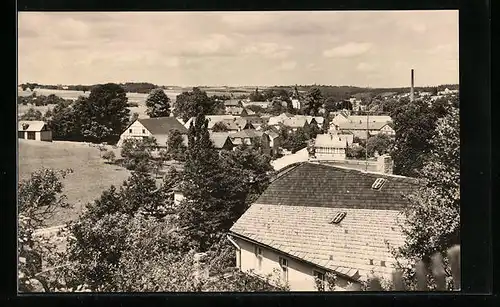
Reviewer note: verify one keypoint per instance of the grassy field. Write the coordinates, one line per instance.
(90, 178)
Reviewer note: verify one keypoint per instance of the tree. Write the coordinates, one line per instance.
(115, 217)
(433, 216)
(414, 123)
(104, 115)
(257, 109)
(175, 145)
(356, 151)
(137, 153)
(31, 114)
(109, 156)
(326, 123)
(313, 101)
(38, 198)
(134, 117)
(189, 104)
(295, 141)
(216, 186)
(220, 127)
(158, 103)
(331, 104)
(256, 96)
(380, 143)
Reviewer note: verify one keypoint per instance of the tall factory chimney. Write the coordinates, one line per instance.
(412, 93)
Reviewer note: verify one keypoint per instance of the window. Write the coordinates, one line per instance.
(129, 130)
(31, 135)
(338, 218)
(382, 263)
(143, 131)
(284, 268)
(377, 185)
(20, 134)
(258, 256)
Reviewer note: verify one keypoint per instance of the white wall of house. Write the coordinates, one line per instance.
(136, 130)
(387, 130)
(330, 153)
(45, 136)
(300, 274)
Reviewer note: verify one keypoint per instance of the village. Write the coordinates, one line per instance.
(318, 184)
(242, 164)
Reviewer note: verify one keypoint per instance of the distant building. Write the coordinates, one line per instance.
(158, 127)
(359, 129)
(329, 147)
(34, 130)
(252, 137)
(221, 140)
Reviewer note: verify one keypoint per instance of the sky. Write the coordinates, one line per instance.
(358, 48)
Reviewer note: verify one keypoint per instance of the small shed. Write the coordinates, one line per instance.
(34, 130)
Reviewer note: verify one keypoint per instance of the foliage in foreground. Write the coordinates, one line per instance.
(432, 220)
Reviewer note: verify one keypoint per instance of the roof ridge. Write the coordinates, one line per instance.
(360, 170)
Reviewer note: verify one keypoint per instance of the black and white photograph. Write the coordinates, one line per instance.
(238, 151)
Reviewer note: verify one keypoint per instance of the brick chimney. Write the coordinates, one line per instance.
(385, 164)
(412, 91)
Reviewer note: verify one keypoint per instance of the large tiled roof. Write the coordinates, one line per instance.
(293, 216)
(219, 139)
(307, 234)
(319, 185)
(371, 118)
(162, 125)
(352, 125)
(247, 133)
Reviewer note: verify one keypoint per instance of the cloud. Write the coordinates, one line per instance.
(289, 65)
(269, 50)
(366, 67)
(419, 27)
(348, 50)
(442, 49)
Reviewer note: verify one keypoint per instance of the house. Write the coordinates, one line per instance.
(212, 120)
(233, 103)
(221, 140)
(371, 118)
(236, 124)
(315, 218)
(329, 147)
(252, 137)
(359, 129)
(158, 127)
(34, 130)
(295, 123)
(274, 141)
(239, 111)
(262, 104)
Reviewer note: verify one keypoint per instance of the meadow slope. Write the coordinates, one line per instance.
(90, 177)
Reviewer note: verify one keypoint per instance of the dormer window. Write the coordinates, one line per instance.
(377, 185)
(338, 218)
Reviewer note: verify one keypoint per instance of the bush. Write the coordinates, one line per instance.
(109, 156)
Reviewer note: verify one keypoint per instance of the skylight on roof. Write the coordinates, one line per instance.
(338, 218)
(377, 185)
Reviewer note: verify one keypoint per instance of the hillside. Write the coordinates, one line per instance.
(90, 178)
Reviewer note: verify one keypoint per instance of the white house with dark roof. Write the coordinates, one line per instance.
(34, 130)
(158, 127)
(330, 147)
(315, 218)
